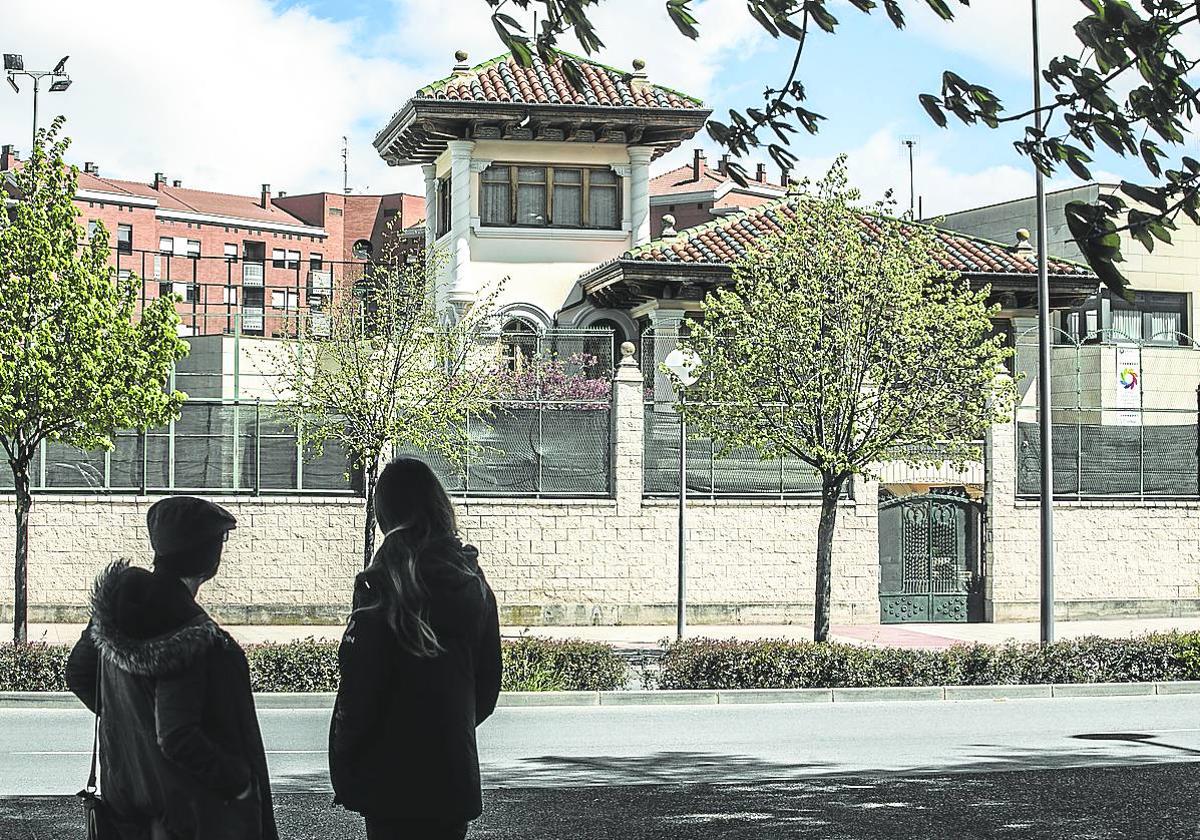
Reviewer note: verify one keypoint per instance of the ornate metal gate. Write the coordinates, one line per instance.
(928, 559)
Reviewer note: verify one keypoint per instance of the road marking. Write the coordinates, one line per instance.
(73, 752)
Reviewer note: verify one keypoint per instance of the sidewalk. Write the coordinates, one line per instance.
(634, 637)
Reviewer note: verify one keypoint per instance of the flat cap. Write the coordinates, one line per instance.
(178, 523)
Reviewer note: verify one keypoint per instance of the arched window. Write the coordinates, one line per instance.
(606, 350)
(519, 339)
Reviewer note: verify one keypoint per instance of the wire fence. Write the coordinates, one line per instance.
(549, 433)
(1125, 416)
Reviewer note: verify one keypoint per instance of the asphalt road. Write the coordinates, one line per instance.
(1087, 768)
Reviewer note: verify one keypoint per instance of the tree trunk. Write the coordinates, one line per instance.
(370, 474)
(831, 490)
(21, 574)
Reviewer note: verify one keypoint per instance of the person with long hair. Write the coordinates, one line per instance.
(420, 669)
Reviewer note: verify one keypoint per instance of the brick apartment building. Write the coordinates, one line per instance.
(267, 257)
(697, 193)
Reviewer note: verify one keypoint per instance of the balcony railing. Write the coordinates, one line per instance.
(252, 274)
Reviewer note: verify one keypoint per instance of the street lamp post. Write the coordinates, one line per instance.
(14, 65)
(1045, 414)
(682, 364)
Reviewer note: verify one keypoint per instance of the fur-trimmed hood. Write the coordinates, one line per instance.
(148, 623)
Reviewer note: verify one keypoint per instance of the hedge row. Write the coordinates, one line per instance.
(533, 664)
(530, 664)
(709, 664)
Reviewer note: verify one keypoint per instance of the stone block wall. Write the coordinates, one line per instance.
(572, 561)
(1112, 558)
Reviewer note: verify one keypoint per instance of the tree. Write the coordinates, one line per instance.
(75, 365)
(390, 372)
(1127, 86)
(842, 342)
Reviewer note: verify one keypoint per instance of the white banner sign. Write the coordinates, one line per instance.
(1128, 385)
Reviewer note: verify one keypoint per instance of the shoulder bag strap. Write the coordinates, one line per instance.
(91, 783)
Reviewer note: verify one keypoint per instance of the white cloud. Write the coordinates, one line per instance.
(236, 93)
(881, 164)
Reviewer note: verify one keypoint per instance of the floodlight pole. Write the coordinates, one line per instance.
(33, 142)
(1045, 413)
(681, 603)
(60, 81)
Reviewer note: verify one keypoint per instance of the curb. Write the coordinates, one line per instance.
(732, 697)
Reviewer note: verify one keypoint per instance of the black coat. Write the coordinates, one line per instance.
(402, 740)
(179, 738)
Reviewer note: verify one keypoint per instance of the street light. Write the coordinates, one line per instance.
(14, 65)
(682, 363)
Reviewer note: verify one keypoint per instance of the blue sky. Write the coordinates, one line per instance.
(255, 91)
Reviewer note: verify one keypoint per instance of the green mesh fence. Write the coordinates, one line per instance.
(1150, 460)
(549, 450)
(214, 447)
(741, 473)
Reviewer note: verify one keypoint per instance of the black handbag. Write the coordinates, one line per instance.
(97, 819)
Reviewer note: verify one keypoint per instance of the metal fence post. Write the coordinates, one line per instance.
(145, 440)
(257, 446)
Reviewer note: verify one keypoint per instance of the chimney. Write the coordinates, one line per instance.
(785, 177)
(90, 168)
(283, 194)
(266, 196)
(8, 156)
(697, 164)
(760, 173)
(177, 183)
(160, 180)
(723, 165)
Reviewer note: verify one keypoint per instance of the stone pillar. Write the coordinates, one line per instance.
(628, 432)
(1002, 529)
(462, 292)
(431, 209)
(639, 193)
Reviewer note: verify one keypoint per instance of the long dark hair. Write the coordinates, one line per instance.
(413, 511)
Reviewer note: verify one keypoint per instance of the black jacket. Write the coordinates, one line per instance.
(179, 738)
(402, 739)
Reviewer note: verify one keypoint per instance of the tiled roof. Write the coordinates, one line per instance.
(723, 241)
(504, 80)
(193, 201)
(683, 180)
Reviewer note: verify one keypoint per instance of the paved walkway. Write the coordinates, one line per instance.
(930, 636)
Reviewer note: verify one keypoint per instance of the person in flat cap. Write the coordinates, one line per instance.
(181, 754)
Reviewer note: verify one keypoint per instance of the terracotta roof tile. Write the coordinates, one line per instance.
(725, 240)
(682, 180)
(504, 80)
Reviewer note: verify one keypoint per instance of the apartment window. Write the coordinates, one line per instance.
(316, 262)
(443, 206)
(293, 260)
(254, 251)
(91, 228)
(335, 211)
(166, 245)
(229, 295)
(124, 239)
(123, 274)
(231, 251)
(193, 247)
(283, 299)
(278, 258)
(542, 196)
(186, 291)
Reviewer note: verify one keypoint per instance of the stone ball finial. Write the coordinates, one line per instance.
(460, 56)
(1022, 234)
(639, 64)
(627, 350)
(668, 225)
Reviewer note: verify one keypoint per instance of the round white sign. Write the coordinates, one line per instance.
(683, 364)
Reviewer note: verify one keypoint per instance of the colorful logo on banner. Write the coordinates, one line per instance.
(1127, 396)
(1129, 379)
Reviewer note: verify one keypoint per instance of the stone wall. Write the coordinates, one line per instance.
(1112, 558)
(293, 559)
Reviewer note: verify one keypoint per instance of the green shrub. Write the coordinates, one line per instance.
(309, 665)
(33, 667)
(710, 664)
(304, 665)
(533, 664)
